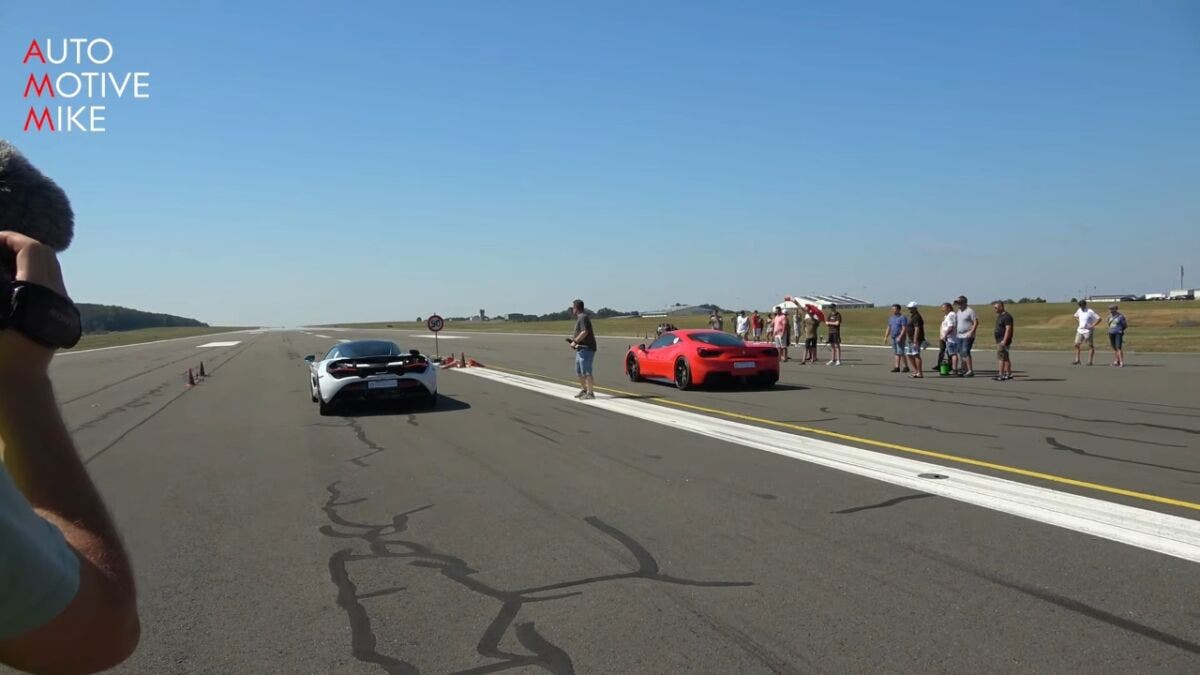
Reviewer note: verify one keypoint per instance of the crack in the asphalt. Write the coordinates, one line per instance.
(383, 543)
(884, 504)
(361, 434)
(527, 423)
(1053, 442)
(1090, 433)
(1163, 412)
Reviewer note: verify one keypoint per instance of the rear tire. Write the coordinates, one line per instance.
(766, 381)
(313, 392)
(326, 409)
(632, 369)
(683, 374)
(430, 402)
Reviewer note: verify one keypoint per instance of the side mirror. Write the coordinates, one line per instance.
(310, 358)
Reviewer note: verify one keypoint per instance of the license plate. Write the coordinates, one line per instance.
(745, 364)
(382, 384)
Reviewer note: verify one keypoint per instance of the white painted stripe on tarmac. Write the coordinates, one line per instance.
(224, 343)
(1150, 530)
(150, 342)
(325, 337)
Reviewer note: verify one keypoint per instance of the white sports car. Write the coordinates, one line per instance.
(371, 370)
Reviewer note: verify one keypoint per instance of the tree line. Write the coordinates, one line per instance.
(110, 318)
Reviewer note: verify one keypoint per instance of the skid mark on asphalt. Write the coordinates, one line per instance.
(140, 401)
(877, 418)
(1053, 442)
(883, 505)
(231, 355)
(1035, 411)
(1070, 604)
(1096, 435)
(383, 543)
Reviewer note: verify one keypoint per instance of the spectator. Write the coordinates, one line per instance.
(834, 322)
(1004, 338)
(808, 328)
(968, 324)
(894, 334)
(1116, 335)
(715, 321)
(915, 334)
(67, 601)
(779, 329)
(584, 344)
(948, 342)
(742, 325)
(756, 326)
(1088, 319)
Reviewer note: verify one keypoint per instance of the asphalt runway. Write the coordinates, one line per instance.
(511, 530)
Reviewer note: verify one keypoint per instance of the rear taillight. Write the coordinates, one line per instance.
(708, 353)
(415, 367)
(342, 370)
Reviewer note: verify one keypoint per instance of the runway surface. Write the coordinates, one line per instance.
(512, 530)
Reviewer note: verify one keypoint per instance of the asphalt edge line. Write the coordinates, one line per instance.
(1028, 473)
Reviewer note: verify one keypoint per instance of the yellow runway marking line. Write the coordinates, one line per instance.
(1063, 480)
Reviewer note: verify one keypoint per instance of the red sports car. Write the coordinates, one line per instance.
(688, 358)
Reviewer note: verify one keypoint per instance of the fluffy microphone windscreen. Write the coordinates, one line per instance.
(32, 204)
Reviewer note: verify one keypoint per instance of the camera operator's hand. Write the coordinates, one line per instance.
(37, 263)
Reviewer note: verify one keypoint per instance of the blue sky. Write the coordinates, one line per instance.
(307, 162)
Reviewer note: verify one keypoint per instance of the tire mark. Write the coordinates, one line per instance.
(1053, 442)
(1090, 433)
(231, 356)
(885, 504)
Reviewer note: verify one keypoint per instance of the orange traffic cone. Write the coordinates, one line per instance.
(474, 364)
(191, 379)
(202, 369)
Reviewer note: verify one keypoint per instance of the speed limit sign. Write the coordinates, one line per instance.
(435, 323)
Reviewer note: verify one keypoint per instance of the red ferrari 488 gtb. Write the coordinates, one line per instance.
(689, 358)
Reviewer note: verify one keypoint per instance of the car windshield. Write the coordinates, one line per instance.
(718, 339)
(357, 350)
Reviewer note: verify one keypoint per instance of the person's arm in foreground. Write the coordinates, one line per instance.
(99, 627)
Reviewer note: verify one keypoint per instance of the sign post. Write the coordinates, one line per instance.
(435, 323)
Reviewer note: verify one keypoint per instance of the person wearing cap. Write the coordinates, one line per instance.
(895, 333)
(967, 324)
(834, 322)
(948, 338)
(1088, 320)
(808, 328)
(1004, 338)
(915, 334)
(1116, 335)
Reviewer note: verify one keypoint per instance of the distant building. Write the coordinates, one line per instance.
(824, 301)
(1114, 297)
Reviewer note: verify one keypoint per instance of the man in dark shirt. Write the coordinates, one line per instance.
(916, 339)
(834, 322)
(1004, 337)
(584, 344)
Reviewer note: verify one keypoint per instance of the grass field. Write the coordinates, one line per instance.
(129, 337)
(1167, 326)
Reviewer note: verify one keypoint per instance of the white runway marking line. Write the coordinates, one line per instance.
(227, 343)
(1150, 530)
(324, 337)
(443, 337)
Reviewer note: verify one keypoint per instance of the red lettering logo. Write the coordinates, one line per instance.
(45, 118)
(34, 50)
(41, 88)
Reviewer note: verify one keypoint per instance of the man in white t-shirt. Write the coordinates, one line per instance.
(967, 324)
(742, 325)
(1088, 319)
